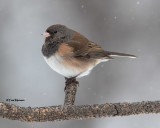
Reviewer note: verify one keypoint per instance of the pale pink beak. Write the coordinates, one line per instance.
(46, 34)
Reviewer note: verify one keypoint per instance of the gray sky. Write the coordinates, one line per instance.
(117, 25)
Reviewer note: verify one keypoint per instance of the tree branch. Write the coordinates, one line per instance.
(69, 111)
(64, 112)
(70, 92)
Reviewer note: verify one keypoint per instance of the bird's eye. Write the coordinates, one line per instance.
(55, 31)
(48, 31)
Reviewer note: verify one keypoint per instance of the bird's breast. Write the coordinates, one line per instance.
(69, 67)
(56, 63)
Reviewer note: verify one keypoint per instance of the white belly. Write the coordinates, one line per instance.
(55, 63)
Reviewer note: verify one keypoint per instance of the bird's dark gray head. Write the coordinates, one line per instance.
(54, 36)
(58, 33)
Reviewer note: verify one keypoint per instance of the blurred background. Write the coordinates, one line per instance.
(129, 26)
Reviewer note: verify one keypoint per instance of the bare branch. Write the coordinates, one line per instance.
(69, 111)
(60, 113)
(70, 93)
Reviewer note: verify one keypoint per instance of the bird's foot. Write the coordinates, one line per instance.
(69, 81)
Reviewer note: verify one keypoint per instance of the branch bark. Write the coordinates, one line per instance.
(65, 112)
(70, 93)
(69, 111)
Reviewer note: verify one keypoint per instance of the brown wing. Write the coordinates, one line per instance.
(84, 49)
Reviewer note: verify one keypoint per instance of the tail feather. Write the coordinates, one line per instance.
(121, 55)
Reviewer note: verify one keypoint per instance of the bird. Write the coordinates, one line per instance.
(71, 54)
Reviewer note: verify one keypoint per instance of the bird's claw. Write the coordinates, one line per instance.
(69, 81)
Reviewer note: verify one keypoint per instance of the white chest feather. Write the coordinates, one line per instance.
(55, 63)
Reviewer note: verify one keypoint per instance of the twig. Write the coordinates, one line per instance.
(70, 93)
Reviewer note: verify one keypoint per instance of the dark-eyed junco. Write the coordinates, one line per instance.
(71, 54)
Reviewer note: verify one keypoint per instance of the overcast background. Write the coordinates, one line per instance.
(127, 26)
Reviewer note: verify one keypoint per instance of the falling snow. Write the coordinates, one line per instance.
(82, 6)
(101, 97)
(138, 2)
(44, 93)
(102, 65)
(94, 94)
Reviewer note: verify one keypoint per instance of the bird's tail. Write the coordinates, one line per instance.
(121, 55)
